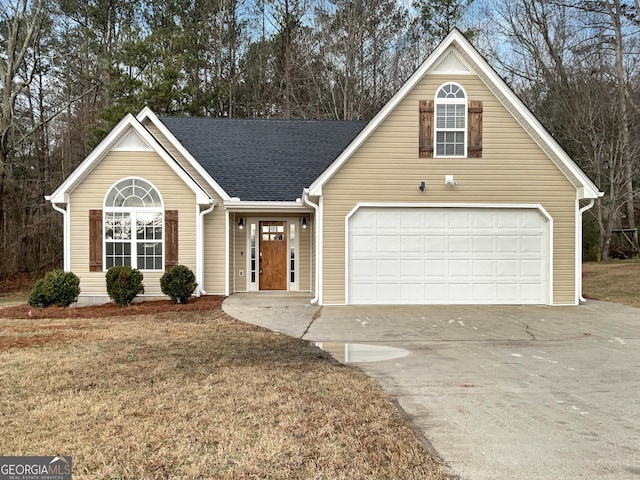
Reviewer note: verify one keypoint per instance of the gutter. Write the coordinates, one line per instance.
(316, 208)
(66, 247)
(200, 249)
(581, 211)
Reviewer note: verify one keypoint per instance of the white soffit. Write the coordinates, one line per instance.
(451, 64)
(131, 142)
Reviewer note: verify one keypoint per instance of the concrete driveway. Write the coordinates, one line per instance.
(499, 392)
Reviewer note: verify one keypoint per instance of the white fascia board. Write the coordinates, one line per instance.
(315, 189)
(247, 206)
(587, 188)
(61, 194)
(147, 114)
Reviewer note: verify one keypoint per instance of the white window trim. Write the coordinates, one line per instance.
(133, 211)
(449, 101)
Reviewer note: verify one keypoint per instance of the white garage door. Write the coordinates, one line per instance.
(448, 256)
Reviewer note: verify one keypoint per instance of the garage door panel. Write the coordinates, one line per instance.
(459, 268)
(531, 244)
(508, 244)
(435, 268)
(363, 245)
(411, 243)
(532, 268)
(459, 244)
(387, 244)
(459, 220)
(483, 244)
(484, 220)
(448, 255)
(483, 268)
(481, 291)
(387, 268)
(507, 268)
(436, 243)
(435, 220)
(411, 292)
(387, 221)
(411, 268)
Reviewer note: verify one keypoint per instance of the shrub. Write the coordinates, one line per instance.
(37, 298)
(178, 283)
(124, 284)
(56, 288)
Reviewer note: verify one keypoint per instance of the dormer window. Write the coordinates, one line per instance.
(450, 125)
(451, 121)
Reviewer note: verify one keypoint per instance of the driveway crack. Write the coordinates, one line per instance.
(528, 332)
(315, 316)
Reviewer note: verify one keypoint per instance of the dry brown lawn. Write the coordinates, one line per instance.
(193, 394)
(616, 281)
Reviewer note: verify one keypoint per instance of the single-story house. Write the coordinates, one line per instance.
(454, 193)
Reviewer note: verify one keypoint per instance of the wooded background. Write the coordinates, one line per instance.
(70, 69)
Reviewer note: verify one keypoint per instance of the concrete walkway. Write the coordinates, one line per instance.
(500, 392)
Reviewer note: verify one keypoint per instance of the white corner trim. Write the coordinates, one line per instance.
(147, 114)
(530, 206)
(457, 40)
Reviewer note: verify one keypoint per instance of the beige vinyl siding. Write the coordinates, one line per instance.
(90, 195)
(214, 251)
(386, 168)
(214, 222)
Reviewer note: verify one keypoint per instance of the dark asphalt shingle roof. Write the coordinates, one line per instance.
(263, 160)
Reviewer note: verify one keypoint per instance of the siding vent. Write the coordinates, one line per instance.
(451, 64)
(132, 142)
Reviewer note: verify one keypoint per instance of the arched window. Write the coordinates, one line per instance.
(133, 225)
(451, 121)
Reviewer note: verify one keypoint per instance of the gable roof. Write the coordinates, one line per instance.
(263, 159)
(119, 135)
(440, 56)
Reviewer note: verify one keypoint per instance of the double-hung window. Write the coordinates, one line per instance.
(133, 225)
(451, 121)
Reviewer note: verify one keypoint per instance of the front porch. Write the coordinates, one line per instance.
(271, 252)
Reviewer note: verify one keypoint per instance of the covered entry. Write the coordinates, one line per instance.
(448, 255)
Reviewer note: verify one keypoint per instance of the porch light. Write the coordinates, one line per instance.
(304, 223)
(241, 223)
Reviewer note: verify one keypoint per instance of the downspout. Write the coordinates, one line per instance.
(316, 223)
(200, 249)
(589, 205)
(65, 235)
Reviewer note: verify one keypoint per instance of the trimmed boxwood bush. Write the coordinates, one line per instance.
(56, 288)
(124, 284)
(178, 283)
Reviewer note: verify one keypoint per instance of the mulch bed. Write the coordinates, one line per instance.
(197, 304)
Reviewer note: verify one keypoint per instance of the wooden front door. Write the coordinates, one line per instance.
(273, 255)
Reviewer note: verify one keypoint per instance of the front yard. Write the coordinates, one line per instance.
(194, 394)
